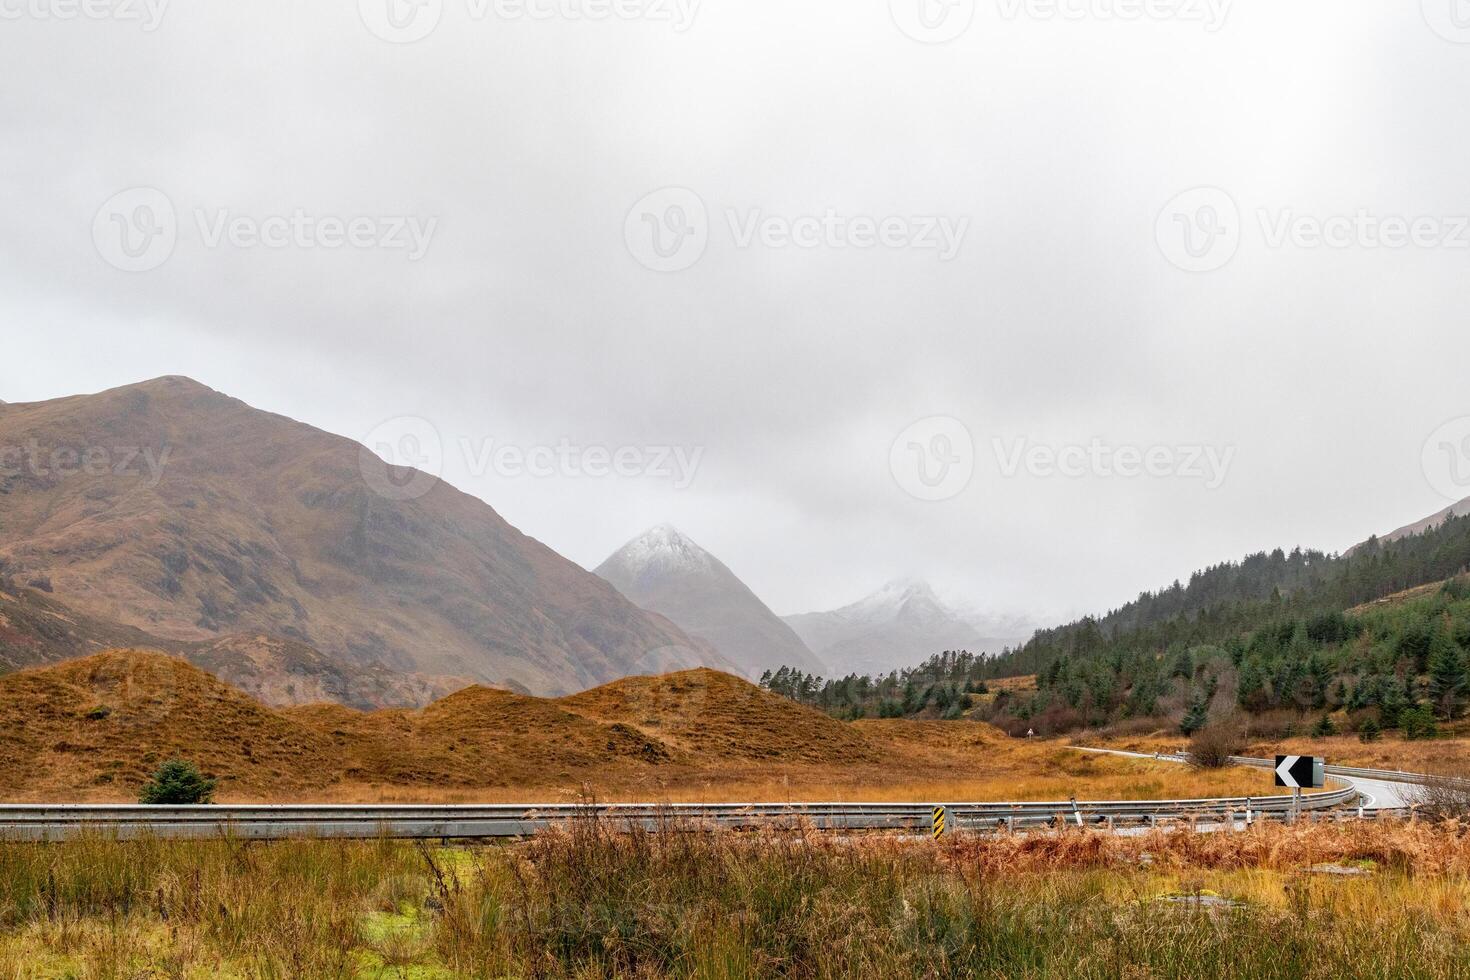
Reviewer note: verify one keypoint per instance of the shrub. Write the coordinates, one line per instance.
(1212, 746)
(1325, 728)
(178, 782)
(1418, 723)
(1446, 796)
(1369, 731)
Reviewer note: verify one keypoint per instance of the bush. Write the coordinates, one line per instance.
(1369, 731)
(178, 782)
(1446, 796)
(1418, 723)
(1212, 746)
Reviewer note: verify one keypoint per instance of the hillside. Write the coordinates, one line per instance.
(711, 714)
(665, 571)
(99, 724)
(37, 629)
(176, 510)
(102, 723)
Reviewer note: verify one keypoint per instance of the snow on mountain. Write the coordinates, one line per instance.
(666, 572)
(900, 625)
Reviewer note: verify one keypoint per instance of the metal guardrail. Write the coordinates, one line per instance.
(1384, 775)
(54, 822)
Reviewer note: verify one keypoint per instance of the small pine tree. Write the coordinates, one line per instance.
(1418, 723)
(1325, 728)
(1447, 677)
(178, 782)
(1369, 731)
(1196, 717)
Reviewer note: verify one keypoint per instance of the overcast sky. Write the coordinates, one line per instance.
(1009, 244)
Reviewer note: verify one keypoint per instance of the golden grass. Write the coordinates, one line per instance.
(93, 729)
(1392, 751)
(1039, 771)
(593, 902)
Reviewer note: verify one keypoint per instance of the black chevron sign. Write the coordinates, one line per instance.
(1300, 772)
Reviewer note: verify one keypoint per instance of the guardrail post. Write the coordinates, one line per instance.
(1077, 810)
(1249, 802)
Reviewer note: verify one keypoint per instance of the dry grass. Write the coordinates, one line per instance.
(592, 902)
(92, 729)
(1391, 752)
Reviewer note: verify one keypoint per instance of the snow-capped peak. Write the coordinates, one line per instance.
(662, 548)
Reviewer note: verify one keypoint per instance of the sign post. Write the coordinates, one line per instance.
(1297, 772)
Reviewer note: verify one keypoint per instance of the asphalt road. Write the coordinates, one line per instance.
(1378, 794)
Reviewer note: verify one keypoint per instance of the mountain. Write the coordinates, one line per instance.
(666, 572)
(900, 625)
(171, 508)
(36, 629)
(1419, 527)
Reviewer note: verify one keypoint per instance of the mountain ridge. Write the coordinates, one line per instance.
(665, 571)
(900, 625)
(205, 517)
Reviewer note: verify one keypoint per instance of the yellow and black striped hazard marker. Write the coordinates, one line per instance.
(938, 822)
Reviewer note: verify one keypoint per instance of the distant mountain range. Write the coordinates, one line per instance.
(171, 509)
(664, 571)
(900, 625)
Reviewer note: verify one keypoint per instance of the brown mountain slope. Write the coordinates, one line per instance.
(715, 715)
(174, 509)
(98, 725)
(104, 722)
(37, 629)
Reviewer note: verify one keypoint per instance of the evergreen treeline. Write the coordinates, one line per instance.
(1271, 635)
(944, 686)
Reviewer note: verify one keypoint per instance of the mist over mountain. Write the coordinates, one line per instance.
(665, 571)
(900, 625)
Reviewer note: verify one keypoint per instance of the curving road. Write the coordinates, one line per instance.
(1379, 790)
